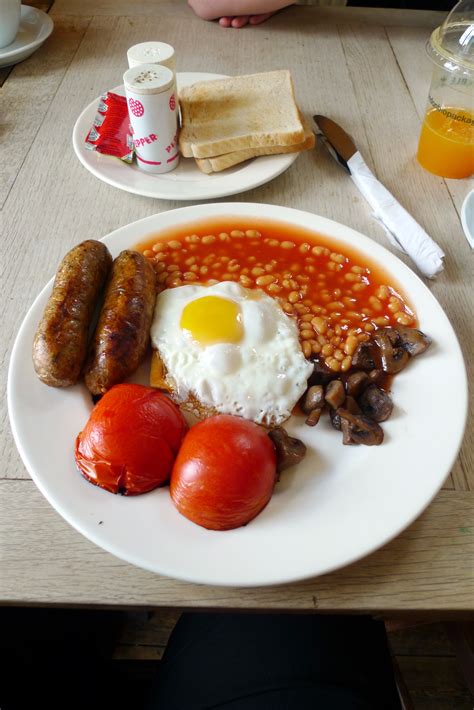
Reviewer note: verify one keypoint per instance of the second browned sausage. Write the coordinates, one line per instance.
(122, 335)
(60, 342)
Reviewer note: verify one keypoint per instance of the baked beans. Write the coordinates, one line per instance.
(336, 300)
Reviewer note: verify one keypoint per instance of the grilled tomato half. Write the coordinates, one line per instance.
(224, 473)
(130, 441)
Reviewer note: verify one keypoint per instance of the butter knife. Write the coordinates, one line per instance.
(402, 230)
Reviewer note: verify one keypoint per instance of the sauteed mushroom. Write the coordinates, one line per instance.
(393, 358)
(376, 377)
(335, 419)
(363, 357)
(313, 417)
(335, 394)
(376, 404)
(412, 340)
(289, 451)
(351, 405)
(356, 382)
(320, 375)
(360, 429)
(313, 399)
(347, 439)
(357, 401)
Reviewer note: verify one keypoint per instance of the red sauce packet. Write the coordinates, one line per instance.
(111, 133)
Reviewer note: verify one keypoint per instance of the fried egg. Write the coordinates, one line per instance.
(231, 349)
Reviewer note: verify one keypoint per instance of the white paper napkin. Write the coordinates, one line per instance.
(402, 230)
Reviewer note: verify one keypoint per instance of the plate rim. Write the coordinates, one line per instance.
(468, 232)
(286, 160)
(247, 209)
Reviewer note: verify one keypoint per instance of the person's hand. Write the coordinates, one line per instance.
(242, 20)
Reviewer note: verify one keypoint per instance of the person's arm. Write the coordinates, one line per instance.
(212, 9)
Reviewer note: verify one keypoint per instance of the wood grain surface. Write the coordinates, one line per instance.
(426, 569)
(30, 92)
(49, 202)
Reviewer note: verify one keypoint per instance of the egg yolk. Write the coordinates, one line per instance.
(212, 319)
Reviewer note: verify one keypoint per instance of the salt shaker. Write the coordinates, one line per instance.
(152, 53)
(153, 111)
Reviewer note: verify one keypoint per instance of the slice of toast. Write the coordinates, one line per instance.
(222, 162)
(238, 113)
(160, 379)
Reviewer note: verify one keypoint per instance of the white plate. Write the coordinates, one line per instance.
(339, 504)
(467, 217)
(35, 28)
(186, 182)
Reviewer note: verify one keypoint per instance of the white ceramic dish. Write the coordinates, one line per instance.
(467, 217)
(35, 28)
(340, 504)
(186, 182)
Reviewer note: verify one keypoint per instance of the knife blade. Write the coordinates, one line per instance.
(402, 230)
(337, 141)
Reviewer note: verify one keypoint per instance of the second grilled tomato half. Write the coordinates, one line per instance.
(224, 473)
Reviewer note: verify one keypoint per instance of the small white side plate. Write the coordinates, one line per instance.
(35, 28)
(186, 182)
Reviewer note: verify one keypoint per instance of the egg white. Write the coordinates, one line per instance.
(259, 378)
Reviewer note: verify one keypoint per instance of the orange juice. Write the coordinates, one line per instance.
(446, 145)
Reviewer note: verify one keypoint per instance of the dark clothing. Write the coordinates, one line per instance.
(275, 662)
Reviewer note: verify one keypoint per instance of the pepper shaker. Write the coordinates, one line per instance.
(153, 111)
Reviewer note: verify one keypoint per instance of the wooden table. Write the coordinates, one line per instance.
(365, 68)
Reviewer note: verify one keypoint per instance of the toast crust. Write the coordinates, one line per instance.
(228, 160)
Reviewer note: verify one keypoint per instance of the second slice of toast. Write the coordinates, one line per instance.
(228, 160)
(237, 113)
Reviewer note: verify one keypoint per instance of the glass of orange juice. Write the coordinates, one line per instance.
(446, 146)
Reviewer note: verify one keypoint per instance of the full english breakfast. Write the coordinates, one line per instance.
(250, 323)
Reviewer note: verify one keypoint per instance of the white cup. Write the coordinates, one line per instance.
(10, 11)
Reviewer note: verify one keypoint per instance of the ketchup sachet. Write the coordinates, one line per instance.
(111, 133)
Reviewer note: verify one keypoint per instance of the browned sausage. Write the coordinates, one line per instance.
(123, 330)
(60, 343)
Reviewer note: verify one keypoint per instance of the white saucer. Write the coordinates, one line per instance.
(35, 28)
(186, 182)
(467, 217)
